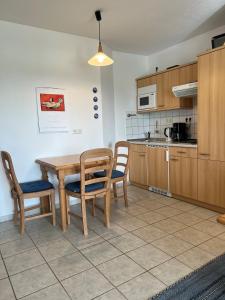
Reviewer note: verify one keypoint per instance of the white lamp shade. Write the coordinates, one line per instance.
(100, 59)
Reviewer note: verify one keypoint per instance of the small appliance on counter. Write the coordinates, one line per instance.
(179, 132)
(168, 132)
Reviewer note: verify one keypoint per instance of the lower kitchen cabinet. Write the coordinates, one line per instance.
(138, 166)
(158, 167)
(211, 182)
(183, 176)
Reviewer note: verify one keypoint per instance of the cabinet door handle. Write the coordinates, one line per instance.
(174, 159)
(161, 105)
(204, 154)
(141, 154)
(181, 152)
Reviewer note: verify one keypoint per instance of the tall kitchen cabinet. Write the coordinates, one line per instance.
(211, 127)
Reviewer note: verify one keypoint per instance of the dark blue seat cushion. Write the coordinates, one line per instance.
(115, 174)
(36, 186)
(75, 187)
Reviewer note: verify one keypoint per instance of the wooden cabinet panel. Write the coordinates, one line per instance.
(211, 179)
(184, 152)
(138, 147)
(170, 79)
(146, 81)
(188, 74)
(183, 176)
(203, 106)
(138, 167)
(160, 91)
(217, 105)
(157, 168)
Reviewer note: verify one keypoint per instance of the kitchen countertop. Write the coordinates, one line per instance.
(163, 143)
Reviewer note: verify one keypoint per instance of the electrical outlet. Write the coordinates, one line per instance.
(169, 120)
(77, 131)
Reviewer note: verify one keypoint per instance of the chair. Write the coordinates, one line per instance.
(27, 190)
(117, 175)
(88, 188)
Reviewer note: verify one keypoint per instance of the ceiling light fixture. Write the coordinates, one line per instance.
(100, 59)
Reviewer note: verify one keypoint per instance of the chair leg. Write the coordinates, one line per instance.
(93, 207)
(84, 216)
(107, 209)
(52, 200)
(68, 208)
(22, 216)
(115, 191)
(125, 192)
(15, 217)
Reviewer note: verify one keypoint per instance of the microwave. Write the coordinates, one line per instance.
(147, 97)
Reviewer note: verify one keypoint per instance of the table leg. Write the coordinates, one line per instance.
(45, 205)
(62, 199)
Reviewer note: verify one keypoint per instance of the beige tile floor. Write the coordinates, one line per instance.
(150, 245)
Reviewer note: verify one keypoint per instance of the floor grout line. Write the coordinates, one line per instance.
(8, 277)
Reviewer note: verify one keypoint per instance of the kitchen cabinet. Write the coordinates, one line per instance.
(146, 81)
(138, 165)
(183, 173)
(188, 74)
(211, 105)
(157, 167)
(165, 81)
(211, 179)
(203, 106)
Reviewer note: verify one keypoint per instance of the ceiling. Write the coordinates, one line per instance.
(133, 26)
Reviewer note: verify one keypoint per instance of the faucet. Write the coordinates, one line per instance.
(148, 135)
(156, 126)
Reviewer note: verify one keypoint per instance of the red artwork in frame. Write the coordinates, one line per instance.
(52, 102)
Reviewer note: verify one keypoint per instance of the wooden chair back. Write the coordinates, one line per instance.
(10, 173)
(122, 156)
(104, 158)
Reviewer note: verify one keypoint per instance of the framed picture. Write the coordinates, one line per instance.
(52, 102)
(52, 113)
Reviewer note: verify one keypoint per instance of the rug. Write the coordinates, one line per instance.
(205, 283)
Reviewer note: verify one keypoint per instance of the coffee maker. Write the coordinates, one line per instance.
(176, 133)
(179, 132)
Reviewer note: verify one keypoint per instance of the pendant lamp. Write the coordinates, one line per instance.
(100, 59)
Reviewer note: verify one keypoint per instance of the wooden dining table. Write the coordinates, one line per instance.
(62, 166)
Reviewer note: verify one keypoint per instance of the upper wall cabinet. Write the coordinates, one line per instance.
(165, 81)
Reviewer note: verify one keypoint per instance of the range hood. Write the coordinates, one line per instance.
(185, 90)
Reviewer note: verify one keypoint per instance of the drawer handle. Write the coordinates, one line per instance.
(181, 152)
(204, 154)
(174, 159)
(141, 154)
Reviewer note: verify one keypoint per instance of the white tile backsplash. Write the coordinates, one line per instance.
(138, 125)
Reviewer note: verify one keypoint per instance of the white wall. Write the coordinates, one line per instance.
(108, 112)
(126, 69)
(184, 52)
(29, 58)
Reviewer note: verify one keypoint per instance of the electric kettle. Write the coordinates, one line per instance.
(168, 132)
